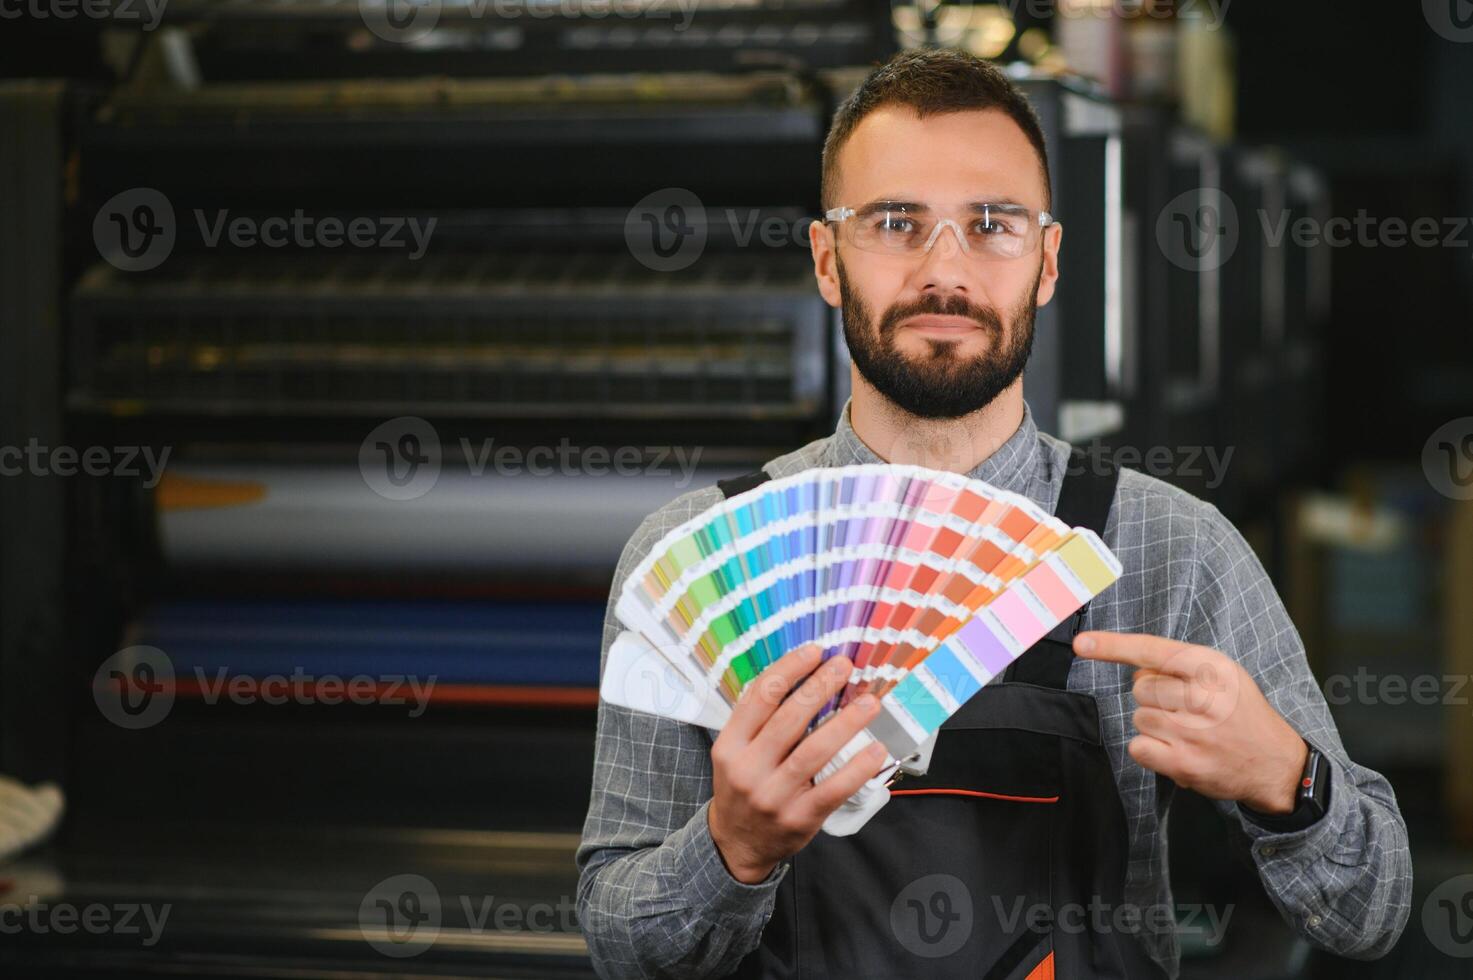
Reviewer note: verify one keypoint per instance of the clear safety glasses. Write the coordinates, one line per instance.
(985, 231)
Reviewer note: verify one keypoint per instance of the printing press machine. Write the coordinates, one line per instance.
(279, 381)
(286, 543)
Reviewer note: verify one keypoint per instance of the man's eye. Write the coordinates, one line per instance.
(995, 228)
(895, 223)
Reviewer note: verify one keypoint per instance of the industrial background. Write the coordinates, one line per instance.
(343, 345)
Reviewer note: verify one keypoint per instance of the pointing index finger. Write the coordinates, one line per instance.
(1142, 650)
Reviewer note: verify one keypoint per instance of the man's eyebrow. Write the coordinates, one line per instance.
(890, 204)
(997, 202)
(976, 207)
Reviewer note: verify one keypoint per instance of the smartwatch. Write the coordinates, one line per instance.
(1311, 800)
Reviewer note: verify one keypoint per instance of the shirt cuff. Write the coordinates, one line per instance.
(714, 894)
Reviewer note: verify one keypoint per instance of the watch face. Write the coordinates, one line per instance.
(1314, 787)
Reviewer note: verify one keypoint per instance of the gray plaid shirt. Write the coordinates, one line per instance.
(655, 899)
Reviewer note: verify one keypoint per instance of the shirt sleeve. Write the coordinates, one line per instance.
(654, 897)
(1344, 882)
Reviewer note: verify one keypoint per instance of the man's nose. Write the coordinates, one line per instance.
(947, 266)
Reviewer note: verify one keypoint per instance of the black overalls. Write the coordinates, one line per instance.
(1005, 861)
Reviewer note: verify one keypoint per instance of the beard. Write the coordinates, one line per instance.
(940, 384)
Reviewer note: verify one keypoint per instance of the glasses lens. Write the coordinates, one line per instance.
(890, 231)
(1004, 232)
(994, 233)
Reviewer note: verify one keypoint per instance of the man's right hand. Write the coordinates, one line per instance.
(765, 806)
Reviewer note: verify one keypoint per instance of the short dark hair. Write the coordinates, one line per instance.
(932, 81)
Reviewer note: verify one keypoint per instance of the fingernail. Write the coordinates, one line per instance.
(1084, 643)
(865, 700)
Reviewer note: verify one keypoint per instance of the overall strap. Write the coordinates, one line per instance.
(1084, 501)
(734, 485)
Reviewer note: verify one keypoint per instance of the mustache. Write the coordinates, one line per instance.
(953, 304)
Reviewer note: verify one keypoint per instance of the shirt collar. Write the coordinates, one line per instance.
(1011, 467)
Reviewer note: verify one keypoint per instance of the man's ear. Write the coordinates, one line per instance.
(825, 262)
(1053, 236)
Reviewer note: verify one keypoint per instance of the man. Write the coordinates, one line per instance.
(1041, 818)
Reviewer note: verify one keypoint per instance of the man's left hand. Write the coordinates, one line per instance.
(1203, 722)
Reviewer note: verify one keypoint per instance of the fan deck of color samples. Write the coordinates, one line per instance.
(930, 582)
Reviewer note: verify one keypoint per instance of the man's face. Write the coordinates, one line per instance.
(940, 333)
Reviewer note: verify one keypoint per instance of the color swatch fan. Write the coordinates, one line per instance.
(930, 582)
